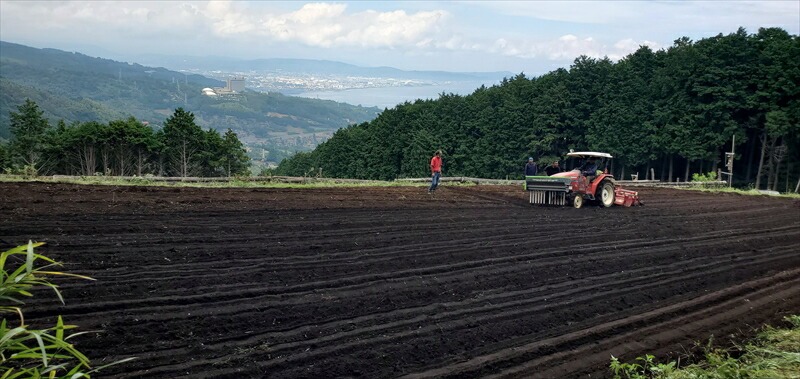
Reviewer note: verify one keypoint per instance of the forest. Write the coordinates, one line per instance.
(123, 147)
(674, 112)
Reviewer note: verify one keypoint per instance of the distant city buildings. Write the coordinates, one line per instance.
(234, 86)
(296, 82)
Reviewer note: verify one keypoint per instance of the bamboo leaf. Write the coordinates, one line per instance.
(11, 375)
(60, 329)
(11, 299)
(113, 364)
(51, 344)
(66, 274)
(41, 345)
(10, 334)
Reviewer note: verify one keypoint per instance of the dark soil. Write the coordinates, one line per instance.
(388, 282)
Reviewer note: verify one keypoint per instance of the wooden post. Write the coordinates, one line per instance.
(730, 162)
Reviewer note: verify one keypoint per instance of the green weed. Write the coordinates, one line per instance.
(773, 354)
(748, 192)
(26, 352)
(707, 177)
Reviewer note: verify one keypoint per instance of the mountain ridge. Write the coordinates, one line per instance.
(322, 66)
(76, 87)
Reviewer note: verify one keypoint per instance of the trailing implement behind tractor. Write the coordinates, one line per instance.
(588, 182)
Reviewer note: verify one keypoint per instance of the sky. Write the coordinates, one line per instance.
(515, 36)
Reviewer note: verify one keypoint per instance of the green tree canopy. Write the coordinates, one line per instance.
(651, 109)
(183, 142)
(28, 128)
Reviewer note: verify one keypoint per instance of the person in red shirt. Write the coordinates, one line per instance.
(436, 170)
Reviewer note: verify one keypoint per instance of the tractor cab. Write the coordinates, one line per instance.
(591, 168)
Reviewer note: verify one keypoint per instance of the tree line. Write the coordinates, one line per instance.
(119, 148)
(675, 111)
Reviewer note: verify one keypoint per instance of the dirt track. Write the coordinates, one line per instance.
(389, 282)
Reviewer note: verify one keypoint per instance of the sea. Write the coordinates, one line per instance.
(389, 97)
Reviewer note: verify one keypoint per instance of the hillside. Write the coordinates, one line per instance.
(76, 87)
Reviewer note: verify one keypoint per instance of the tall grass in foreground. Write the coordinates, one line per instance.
(774, 354)
(26, 352)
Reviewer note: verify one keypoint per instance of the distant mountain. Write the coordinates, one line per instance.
(76, 87)
(319, 67)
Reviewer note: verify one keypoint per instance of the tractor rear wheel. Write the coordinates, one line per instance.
(606, 195)
(577, 202)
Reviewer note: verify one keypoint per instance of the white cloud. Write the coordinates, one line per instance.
(99, 20)
(676, 15)
(567, 47)
(588, 12)
(313, 24)
(514, 30)
(330, 25)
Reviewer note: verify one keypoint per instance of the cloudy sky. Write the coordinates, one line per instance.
(516, 36)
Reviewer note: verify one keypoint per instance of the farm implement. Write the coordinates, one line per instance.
(585, 183)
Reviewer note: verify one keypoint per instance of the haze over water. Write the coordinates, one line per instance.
(389, 97)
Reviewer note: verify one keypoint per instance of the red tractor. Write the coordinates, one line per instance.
(590, 181)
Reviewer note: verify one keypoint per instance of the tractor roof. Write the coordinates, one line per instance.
(583, 154)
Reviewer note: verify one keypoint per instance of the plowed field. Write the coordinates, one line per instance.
(393, 282)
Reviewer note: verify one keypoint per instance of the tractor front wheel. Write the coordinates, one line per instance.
(577, 202)
(606, 195)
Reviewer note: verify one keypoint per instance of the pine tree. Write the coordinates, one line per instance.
(28, 127)
(183, 142)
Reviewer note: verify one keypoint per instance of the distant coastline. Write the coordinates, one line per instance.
(389, 97)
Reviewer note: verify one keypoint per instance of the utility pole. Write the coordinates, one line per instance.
(729, 161)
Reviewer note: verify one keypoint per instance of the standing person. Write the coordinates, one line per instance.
(553, 169)
(436, 170)
(530, 168)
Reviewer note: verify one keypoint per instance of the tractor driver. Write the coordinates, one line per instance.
(589, 169)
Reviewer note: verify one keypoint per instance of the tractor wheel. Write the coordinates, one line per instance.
(606, 194)
(577, 202)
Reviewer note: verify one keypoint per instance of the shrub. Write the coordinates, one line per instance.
(646, 369)
(707, 177)
(774, 354)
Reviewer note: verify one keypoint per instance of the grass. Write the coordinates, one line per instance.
(265, 182)
(25, 351)
(773, 354)
(748, 192)
(233, 183)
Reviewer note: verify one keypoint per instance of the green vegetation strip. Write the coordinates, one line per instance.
(748, 192)
(265, 182)
(774, 354)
